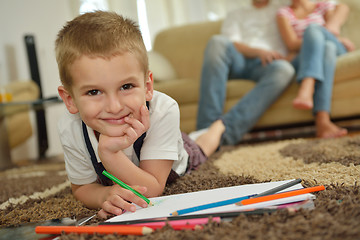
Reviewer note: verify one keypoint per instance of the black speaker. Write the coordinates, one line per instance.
(40, 111)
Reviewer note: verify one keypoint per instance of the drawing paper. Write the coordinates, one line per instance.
(165, 205)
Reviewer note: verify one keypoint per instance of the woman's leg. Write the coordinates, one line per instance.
(310, 66)
(325, 128)
(304, 97)
(310, 63)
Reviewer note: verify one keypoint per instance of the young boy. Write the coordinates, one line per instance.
(116, 121)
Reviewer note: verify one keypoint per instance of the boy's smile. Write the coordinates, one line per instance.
(105, 91)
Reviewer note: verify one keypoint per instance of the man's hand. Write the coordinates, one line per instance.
(118, 200)
(133, 129)
(269, 56)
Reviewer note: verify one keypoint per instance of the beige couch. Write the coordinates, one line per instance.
(181, 48)
(17, 117)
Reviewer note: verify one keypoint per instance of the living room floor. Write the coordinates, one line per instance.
(254, 137)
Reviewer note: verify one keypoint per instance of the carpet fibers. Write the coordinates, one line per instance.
(39, 192)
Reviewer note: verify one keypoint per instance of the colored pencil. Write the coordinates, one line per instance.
(209, 205)
(124, 185)
(193, 222)
(118, 229)
(234, 200)
(222, 215)
(280, 195)
(175, 227)
(278, 188)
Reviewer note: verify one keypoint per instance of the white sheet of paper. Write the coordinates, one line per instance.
(165, 205)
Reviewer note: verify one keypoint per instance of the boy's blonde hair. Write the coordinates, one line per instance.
(98, 34)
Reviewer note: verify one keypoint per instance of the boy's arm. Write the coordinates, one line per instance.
(111, 199)
(151, 174)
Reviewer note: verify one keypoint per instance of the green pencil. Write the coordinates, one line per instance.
(124, 185)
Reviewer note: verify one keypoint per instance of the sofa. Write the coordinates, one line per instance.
(176, 61)
(18, 122)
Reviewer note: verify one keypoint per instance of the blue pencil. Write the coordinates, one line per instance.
(210, 205)
(231, 201)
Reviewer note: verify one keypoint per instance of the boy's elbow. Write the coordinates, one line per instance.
(155, 191)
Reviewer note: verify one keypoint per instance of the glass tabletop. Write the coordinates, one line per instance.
(8, 108)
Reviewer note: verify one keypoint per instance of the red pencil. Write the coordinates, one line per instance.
(280, 195)
(104, 229)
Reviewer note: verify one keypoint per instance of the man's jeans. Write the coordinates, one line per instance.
(317, 59)
(222, 62)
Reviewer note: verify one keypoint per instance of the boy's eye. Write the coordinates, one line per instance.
(127, 86)
(93, 92)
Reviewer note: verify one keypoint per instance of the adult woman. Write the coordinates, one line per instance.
(310, 31)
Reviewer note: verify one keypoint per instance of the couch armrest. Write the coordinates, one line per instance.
(348, 66)
(18, 120)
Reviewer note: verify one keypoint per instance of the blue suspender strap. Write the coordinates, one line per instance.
(139, 142)
(99, 168)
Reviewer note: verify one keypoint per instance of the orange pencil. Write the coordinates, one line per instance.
(280, 195)
(119, 229)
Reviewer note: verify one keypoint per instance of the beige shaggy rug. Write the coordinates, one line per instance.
(35, 193)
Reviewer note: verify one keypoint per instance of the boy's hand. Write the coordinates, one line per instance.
(118, 200)
(135, 128)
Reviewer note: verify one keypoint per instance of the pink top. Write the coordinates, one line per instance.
(317, 16)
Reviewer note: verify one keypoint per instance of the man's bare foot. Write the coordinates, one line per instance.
(327, 129)
(210, 140)
(304, 98)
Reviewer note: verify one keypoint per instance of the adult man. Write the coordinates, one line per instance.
(249, 47)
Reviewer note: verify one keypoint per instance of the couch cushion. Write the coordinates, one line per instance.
(186, 91)
(161, 67)
(184, 46)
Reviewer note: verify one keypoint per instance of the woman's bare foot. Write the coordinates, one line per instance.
(210, 140)
(327, 129)
(304, 98)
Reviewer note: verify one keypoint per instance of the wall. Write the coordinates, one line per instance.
(43, 19)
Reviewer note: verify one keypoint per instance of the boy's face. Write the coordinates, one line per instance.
(105, 91)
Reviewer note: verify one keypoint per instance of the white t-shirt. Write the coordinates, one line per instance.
(255, 27)
(163, 141)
